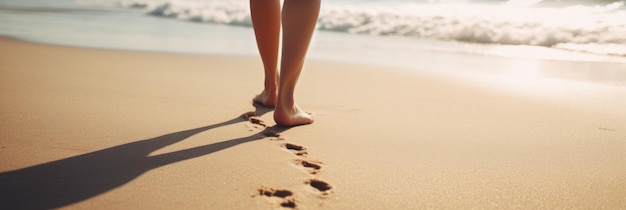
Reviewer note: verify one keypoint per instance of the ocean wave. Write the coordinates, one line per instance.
(231, 13)
(595, 29)
(482, 24)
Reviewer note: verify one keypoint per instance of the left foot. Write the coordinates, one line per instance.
(265, 98)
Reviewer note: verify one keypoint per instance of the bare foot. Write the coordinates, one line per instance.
(265, 98)
(293, 116)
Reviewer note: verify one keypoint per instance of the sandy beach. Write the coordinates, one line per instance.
(103, 129)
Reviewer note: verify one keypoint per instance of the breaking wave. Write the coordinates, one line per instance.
(599, 29)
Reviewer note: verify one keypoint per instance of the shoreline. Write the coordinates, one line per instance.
(483, 68)
(131, 29)
(116, 28)
(89, 128)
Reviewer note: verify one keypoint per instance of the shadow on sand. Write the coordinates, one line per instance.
(71, 180)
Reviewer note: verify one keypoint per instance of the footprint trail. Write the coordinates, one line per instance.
(284, 198)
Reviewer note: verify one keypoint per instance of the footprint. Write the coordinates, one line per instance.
(296, 149)
(320, 185)
(270, 133)
(248, 115)
(312, 166)
(288, 201)
(253, 118)
(271, 192)
(257, 121)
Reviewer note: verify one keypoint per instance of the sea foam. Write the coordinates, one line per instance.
(593, 29)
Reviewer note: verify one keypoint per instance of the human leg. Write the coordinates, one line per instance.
(265, 16)
(298, 18)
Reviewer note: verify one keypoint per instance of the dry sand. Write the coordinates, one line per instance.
(100, 129)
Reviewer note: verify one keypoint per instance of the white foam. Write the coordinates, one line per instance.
(230, 13)
(481, 23)
(594, 29)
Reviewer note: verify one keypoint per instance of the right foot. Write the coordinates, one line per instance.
(292, 117)
(265, 99)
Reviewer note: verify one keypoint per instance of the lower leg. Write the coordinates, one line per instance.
(265, 16)
(299, 19)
